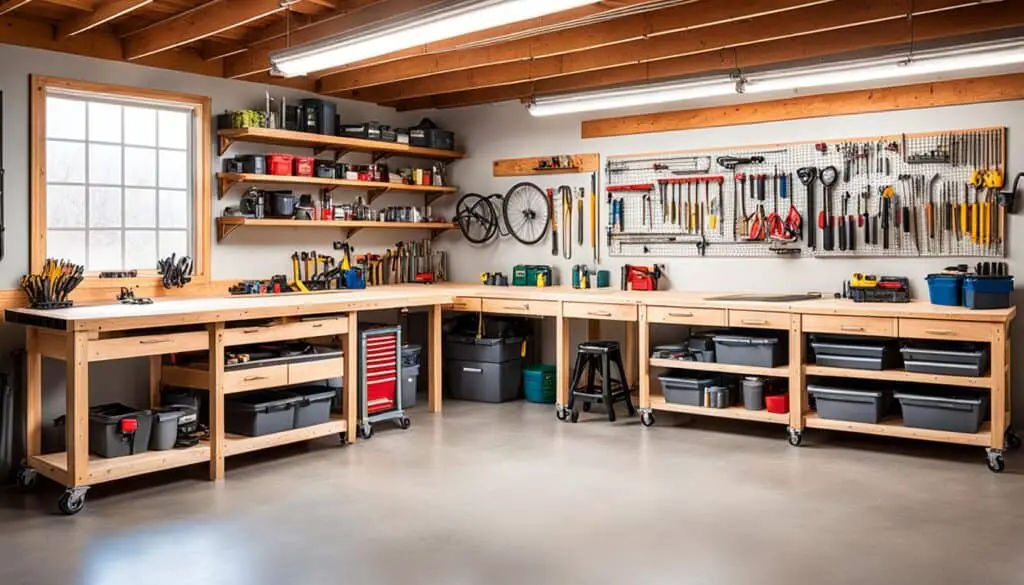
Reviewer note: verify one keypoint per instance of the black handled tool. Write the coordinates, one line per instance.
(807, 176)
(828, 177)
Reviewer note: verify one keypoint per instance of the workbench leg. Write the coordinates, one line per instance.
(629, 356)
(999, 386)
(562, 372)
(435, 386)
(798, 400)
(216, 401)
(33, 393)
(77, 419)
(156, 364)
(593, 330)
(643, 353)
(350, 388)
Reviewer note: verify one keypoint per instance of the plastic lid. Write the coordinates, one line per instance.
(843, 391)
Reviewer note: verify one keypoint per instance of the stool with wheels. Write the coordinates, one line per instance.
(597, 358)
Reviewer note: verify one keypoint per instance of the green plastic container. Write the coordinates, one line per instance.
(539, 383)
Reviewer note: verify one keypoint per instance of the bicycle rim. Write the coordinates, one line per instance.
(527, 213)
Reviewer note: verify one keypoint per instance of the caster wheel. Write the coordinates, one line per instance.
(796, 437)
(586, 407)
(574, 416)
(996, 464)
(404, 422)
(647, 419)
(343, 439)
(27, 479)
(561, 414)
(72, 501)
(1012, 440)
(366, 431)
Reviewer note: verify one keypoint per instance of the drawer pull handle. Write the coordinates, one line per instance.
(459, 305)
(940, 331)
(517, 307)
(153, 341)
(472, 370)
(317, 325)
(599, 313)
(680, 314)
(253, 378)
(753, 321)
(850, 328)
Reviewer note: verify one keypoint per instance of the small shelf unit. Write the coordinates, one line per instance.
(341, 145)
(374, 189)
(227, 225)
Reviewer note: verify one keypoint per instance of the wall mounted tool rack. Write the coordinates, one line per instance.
(934, 194)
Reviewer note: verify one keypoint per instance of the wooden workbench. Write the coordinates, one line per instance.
(81, 335)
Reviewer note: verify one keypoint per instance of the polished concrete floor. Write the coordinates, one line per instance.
(508, 495)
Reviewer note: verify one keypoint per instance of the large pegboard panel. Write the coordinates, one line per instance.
(692, 203)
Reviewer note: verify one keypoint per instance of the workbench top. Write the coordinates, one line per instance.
(169, 312)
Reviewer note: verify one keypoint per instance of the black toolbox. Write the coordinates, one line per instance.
(484, 381)
(253, 414)
(116, 430)
(949, 411)
(427, 135)
(313, 406)
(945, 358)
(849, 404)
(485, 349)
(682, 389)
(750, 349)
(859, 353)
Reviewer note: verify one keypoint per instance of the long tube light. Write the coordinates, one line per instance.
(962, 58)
(440, 21)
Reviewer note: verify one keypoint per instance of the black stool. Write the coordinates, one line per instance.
(597, 357)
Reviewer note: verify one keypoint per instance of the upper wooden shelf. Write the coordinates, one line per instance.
(228, 224)
(374, 189)
(322, 142)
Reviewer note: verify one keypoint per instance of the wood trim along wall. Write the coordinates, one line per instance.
(925, 95)
(105, 293)
(202, 200)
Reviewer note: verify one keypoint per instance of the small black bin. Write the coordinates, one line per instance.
(867, 406)
(493, 349)
(859, 353)
(953, 359)
(313, 406)
(681, 389)
(749, 349)
(260, 413)
(957, 413)
(106, 430)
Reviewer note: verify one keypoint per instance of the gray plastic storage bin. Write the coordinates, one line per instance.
(410, 379)
(856, 353)
(960, 414)
(685, 390)
(753, 393)
(493, 350)
(313, 406)
(411, 355)
(484, 381)
(945, 360)
(259, 413)
(166, 419)
(105, 436)
(749, 350)
(867, 406)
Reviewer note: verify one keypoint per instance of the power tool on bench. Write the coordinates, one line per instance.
(868, 288)
(636, 277)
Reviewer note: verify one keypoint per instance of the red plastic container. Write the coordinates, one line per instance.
(304, 166)
(280, 164)
(777, 403)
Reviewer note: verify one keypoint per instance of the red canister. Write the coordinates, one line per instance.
(777, 403)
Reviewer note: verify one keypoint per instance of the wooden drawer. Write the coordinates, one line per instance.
(877, 326)
(255, 378)
(514, 307)
(315, 370)
(286, 331)
(686, 316)
(116, 348)
(759, 319)
(470, 304)
(602, 311)
(954, 330)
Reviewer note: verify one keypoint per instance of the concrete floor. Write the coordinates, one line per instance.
(506, 494)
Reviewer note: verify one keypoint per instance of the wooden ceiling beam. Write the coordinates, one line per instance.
(621, 30)
(211, 50)
(103, 14)
(83, 5)
(790, 24)
(894, 33)
(12, 5)
(196, 25)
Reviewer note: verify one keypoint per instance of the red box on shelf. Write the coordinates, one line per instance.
(777, 403)
(304, 166)
(280, 164)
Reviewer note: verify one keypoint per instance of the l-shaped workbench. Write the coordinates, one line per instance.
(81, 335)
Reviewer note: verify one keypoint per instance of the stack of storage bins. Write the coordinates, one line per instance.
(483, 369)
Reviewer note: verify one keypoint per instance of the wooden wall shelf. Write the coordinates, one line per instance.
(227, 180)
(522, 167)
(339, 144)
(227, 225)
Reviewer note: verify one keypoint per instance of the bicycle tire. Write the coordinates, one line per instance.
(476, 217)
(527, 213)
(498, 205)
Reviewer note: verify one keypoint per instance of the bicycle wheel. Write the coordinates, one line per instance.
(476, 218)
(496, 200)
(527, 213)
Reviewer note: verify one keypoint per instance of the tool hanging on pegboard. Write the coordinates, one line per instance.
(927, 194)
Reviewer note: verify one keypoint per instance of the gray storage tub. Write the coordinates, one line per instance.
(105, 436)
(856, 353)
(945, 360)
(166, 420)
(484, 381)
(493, 349)
(960, 414)
(685, 390)
(313, 406)
(749, 350)
(259, 413)
(867, 406)
(410, 379)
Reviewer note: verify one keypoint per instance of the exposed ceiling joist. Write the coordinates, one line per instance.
(211, 50)
(12, 5)
(791, 24)
(102, 15)
(83, 5)
(208, 21)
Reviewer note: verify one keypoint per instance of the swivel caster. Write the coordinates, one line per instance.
(796, 436)
(574, 416)
(995, 460)
(1012, 440)
(27, 479)
(404, 422)
(562, 413)
(72, 501)
(586, 407)
(343, 439)
(647, 418)
(365, 431)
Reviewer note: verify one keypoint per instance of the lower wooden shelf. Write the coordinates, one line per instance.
(102, 469)
(900, 376)
(735, 412)
(237, 444)
(779, 372)
(893, 427)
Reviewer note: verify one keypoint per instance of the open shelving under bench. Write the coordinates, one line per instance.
(779, 372)
(228, 224)
(983, 382)
(893, 427)
(322, 142)
(237, 444)
(735, 412)
(374, 189)
(102, 469)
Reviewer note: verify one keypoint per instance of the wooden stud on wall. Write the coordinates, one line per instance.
(521, 167)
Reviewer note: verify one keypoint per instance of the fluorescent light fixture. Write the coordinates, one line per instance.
(933, 62)
(437, 22)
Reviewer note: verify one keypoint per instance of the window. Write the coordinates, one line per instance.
(121, 176)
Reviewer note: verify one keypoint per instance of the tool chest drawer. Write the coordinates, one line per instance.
(315, 370)
(687, 316)
(469, 304)
(759, 319)
(528, 308)
(286, 331)
(873, 326)
(600, 311)
(244, 380)
(932, 329)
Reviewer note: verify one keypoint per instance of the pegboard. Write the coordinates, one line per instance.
(900, 172)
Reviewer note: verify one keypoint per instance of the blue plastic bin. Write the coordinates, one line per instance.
(539, 383)
(988, 292)
(945, 289)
